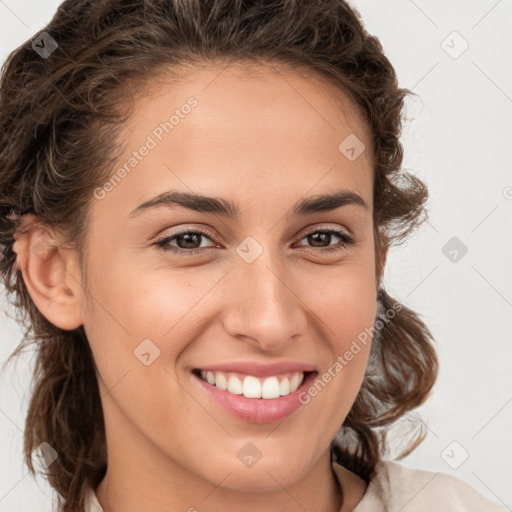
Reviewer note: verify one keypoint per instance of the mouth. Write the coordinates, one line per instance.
(251, 386)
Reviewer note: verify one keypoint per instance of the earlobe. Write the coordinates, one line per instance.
(49, 273)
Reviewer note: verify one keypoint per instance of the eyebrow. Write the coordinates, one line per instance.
(231, 210)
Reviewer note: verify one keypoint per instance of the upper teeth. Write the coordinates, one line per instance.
(254, 387)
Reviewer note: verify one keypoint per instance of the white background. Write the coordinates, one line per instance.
(459, 141)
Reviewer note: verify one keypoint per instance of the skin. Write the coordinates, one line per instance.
(264, 141)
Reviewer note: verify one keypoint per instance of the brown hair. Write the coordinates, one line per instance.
(60, 120)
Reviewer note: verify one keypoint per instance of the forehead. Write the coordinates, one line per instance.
(251, 132)
(287, 98)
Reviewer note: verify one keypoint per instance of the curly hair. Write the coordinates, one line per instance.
(60, 124)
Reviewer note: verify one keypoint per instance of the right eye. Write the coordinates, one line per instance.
(184, 237)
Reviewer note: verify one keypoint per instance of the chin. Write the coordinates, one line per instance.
(260, 478)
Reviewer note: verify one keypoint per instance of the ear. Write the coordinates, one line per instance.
(382, 242)
(50, 273)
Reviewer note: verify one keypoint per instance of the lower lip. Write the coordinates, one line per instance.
(256, 410)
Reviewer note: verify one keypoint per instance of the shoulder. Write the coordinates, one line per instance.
(91, 501)
(395, 486)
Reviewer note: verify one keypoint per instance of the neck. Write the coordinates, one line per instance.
(144, 480)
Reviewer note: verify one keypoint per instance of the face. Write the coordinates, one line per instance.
(251, 299)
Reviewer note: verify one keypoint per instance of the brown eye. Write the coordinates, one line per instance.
(187, 242)
(322, 238)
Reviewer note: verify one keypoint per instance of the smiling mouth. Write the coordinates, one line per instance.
(250, 386)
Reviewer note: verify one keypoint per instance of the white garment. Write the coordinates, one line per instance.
(396, 487)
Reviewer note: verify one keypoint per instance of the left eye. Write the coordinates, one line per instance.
(187, 240)
(326, 234)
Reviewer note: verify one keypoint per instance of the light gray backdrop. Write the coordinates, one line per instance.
(456, 55)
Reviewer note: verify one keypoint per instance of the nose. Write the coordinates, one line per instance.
(264, 308)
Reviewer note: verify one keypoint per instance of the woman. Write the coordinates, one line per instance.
(198, 202)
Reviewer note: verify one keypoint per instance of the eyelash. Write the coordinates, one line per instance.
(162, 243)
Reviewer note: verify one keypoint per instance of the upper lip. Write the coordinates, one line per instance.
(259, 369)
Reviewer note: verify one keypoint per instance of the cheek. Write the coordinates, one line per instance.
(346, 307)
(350, 317)
(346, 302)
(140, 317)
(135, 344)
(142, 302)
